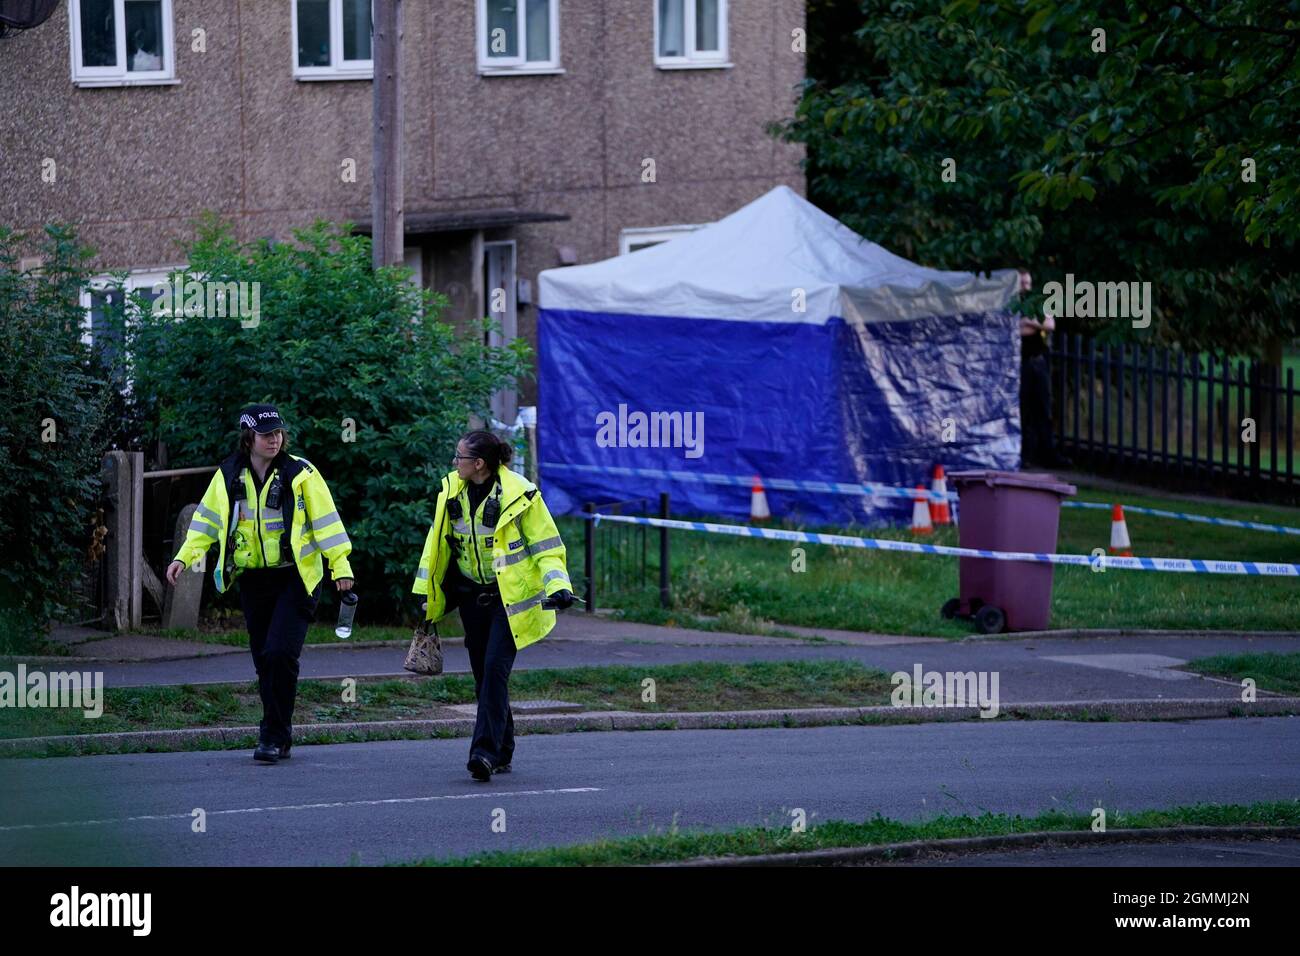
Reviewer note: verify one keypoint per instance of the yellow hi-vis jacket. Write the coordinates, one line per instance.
(472, 540)
(254, 536)
(528, 557)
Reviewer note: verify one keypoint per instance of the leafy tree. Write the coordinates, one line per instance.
(52, 434)
(1119, 155)
(338, 348)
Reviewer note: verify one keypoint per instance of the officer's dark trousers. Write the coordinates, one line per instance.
(277, 610)
(491, 649)
(1037, 443)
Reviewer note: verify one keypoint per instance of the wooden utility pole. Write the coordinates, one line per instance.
(386, 199)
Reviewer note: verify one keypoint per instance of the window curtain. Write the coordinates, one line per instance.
(707, 23)
(672, 28)
(356, 30)
(144, 35)
(537, 19)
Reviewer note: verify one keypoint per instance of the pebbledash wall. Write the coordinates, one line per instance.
(235, 131)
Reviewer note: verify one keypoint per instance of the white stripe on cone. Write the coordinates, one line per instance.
(921, 512)
(939, 513)
(1119, 542)
(758, 510)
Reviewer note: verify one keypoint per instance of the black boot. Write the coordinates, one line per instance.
(266, 752)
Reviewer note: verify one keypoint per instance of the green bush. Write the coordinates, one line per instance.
(52, 432)
(333, 343)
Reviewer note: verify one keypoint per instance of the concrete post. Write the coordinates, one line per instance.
(182, 602)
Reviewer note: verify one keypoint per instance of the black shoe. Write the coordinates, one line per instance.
(501, 768)
(479, 768)
(266, 752)
(284, 750)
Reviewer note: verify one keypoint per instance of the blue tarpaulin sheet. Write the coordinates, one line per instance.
(888, 370)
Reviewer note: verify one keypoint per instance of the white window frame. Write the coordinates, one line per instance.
(517, 65)
(119, 75)
(652, 235)
(694, 59)
(339, 68)
(136, 279)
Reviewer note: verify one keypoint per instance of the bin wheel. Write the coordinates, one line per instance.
(950, 608)
(990, 619)
(976, 604)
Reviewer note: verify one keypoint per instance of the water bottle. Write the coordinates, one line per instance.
(347, 611)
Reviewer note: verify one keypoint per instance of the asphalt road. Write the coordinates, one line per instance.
(1036, 670)
(402, 800)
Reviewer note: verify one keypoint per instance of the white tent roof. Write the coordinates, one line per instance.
(748, 266)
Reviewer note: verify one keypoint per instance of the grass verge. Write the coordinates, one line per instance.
(677, 687)
(752, 587)
(673, 845)
(1274, 672)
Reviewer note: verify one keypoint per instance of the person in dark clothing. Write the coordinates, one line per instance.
(1037, 440)
(494, 552)
(273, 519)
(491, 649)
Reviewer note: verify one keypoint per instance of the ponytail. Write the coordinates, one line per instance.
(494, 451)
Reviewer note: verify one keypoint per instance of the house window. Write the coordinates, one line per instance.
(518, 36)
(331, 40)
(121, 42)
(106, 295)
(632, 240)
(690, 33)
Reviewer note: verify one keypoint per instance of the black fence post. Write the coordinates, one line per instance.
(1274, 381)
(665, 598)
(1078, 380)
(589, 557)
(1203, 397)
(1290, 428)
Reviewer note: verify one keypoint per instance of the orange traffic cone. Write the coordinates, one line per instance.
(939, 513)
(1119, 543)
(921, 513)
(758, 510)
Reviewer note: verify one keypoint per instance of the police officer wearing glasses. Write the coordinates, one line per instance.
(493, 551)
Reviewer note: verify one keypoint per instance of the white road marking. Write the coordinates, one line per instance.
(1158, 666)
(497, 794)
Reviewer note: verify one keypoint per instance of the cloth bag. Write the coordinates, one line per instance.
(425, 653)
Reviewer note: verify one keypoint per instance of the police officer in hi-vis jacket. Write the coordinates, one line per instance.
(272, 518)
(493, 551)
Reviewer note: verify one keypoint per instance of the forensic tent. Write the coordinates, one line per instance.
(775, 343)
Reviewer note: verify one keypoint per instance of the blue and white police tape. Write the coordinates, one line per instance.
(1185, 516)
(894, 491)
(746, 481)
(1176, 565)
